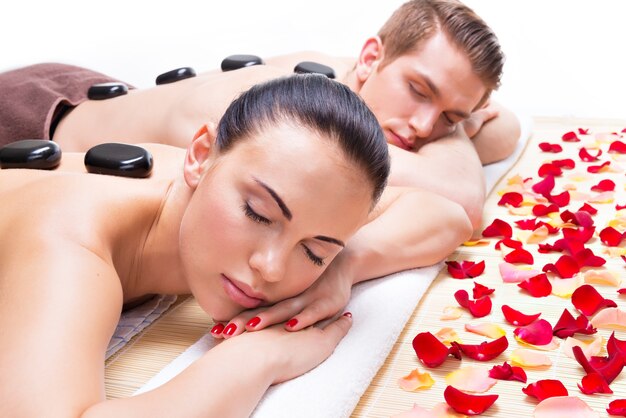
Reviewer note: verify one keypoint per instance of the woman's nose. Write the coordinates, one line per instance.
(269, 262)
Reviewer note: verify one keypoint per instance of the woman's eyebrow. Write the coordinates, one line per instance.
(281, 204)
(331, 240)
(287, 213)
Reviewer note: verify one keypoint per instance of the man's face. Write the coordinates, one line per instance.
(422, 95)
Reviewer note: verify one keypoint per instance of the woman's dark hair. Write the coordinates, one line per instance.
(319, 104)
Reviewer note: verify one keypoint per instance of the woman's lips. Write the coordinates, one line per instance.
(399, 141)
(237, 294)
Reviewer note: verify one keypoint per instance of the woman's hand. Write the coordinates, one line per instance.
(325, 298)
(289, 354)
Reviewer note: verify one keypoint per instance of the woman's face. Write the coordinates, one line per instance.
(267, 217)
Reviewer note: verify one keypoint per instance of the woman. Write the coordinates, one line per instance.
(254, 217)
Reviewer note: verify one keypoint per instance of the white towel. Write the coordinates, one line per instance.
(380, 310)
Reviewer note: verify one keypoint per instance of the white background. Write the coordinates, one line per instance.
(564, 57)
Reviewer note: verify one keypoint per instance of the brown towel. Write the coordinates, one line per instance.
(33, 99)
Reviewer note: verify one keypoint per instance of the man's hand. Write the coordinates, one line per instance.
(326, 297)
(477, 119)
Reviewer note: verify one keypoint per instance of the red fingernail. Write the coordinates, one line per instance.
(254, 322)
(230, 329)
(292, 323)
(348, 314)
(217, 329)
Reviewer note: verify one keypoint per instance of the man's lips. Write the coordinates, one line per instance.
(399, 141)
(241, 294)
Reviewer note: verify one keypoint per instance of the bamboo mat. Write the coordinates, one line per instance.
(185, 323)
(384, 398)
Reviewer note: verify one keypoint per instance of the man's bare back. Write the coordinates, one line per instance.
(173, 113)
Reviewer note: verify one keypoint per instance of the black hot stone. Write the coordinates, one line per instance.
(105, 91)
(235, 62)
(31, 153)
(175, 75)
(119, 160)
(314, 67)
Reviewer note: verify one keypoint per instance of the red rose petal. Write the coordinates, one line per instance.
(508, 372)
(484, 351)
(519, 255)
(561, 200)
(498, 228)
(537, 333)
(543, 389)
(565, 267)
(543, 210)
(464, 403)
(586, 157)
(605, 185)
(589, 209)
(581, 234)
(517, 318)
(607, 367)
(430, 350)
(567, 325)
(465, 269)
(549, 169)
(567, 163)
(597, 168)
(594, 383)
(545, 186)
(583, 131)
(570, 137)
(617, 407)
(586, 258)
(478, 308)
(620, 207)
(511, 198)
(547, 147)
(538, 286)
(480, 291)
(508, 242)
(618, 146)
(588, 301)
(580, 218)
(611, 237)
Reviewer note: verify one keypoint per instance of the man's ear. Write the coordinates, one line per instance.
(369, 58)
(198, 154)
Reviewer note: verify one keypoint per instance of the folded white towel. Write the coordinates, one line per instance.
(380, 310)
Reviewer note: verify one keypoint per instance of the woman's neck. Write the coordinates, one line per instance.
(160, 269)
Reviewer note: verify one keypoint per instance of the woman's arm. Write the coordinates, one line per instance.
(57, 314)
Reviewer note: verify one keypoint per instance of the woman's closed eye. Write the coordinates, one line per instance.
(318, 261)
(250, 213)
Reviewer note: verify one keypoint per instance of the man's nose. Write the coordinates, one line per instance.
(423, 122)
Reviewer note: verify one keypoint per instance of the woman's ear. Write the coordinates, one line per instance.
(369, 58)
(198, 154)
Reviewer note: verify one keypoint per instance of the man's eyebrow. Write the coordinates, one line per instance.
(437, 93)
(331, 240)
(281, 204)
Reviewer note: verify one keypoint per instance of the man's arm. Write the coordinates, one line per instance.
(449, 167)
(496, 138)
